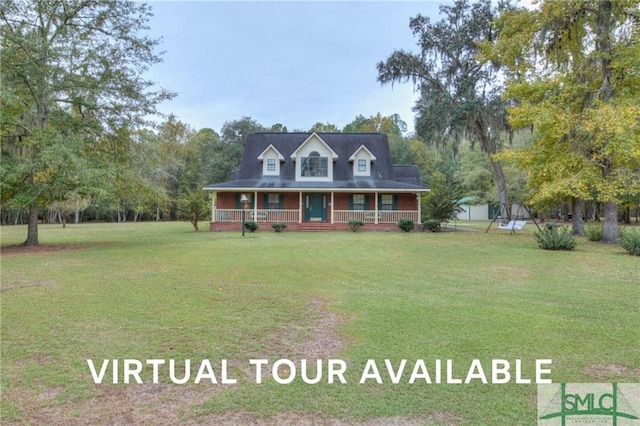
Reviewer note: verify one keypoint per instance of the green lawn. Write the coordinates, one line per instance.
(159, 291)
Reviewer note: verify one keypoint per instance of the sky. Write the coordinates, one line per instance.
(294, 63)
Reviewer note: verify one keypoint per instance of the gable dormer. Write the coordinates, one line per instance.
(314, 160)
(271, 160)
(362, 159)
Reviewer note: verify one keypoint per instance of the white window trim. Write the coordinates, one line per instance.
(270, 153)
(362, 153)
(314, 143)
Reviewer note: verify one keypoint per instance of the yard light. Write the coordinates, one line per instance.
(245, 205)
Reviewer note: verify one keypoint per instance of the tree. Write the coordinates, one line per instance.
(173, 137)
(71, 72)
(236, 131)
(573, 73)
(459, 93)
(227, 155)
(324, 128)
(193, 206)
(203, 146)
(441, 203)
(392, 125)
(279, 128)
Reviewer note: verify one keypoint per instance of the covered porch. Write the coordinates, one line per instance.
(376, 209)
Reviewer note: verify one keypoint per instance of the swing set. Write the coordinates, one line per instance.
(515, 224)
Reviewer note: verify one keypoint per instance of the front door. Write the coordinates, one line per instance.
(316, 208)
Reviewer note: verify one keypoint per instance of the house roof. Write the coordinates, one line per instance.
(384, 175)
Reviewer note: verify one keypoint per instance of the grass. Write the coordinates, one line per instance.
(147, 290)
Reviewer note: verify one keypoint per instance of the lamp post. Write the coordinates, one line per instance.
(245, 205)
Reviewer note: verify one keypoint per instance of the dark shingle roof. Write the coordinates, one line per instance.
(384, 175)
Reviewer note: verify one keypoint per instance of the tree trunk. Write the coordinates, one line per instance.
(489, 148)
(611, 233)
(502, 187)
(76, 218)
(576, 210)
(32, 226)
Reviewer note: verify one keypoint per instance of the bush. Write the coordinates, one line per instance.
(594, 232)
(441, 202)
(554, 237)
(630, 241)
(406, 224)
(251, 226)
(278, 226)
(432, 225)
(355, 224)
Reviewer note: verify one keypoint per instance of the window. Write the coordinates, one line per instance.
(362, 165)
(314, 165)
(386, 202)
(359, 202)
(271, 165)
(273, 201)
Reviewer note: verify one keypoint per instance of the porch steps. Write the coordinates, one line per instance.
(316, 226)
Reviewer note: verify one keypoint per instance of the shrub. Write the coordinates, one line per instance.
(594, 232)
(630, 240)
(406, 224)
(251, 226)
(554, 237)
(432, 225)
(278, 226)
(355, 224)
(440, 203)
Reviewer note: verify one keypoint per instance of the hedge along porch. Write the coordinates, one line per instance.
(318, 181)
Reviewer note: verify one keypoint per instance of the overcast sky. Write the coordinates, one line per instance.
(295, 63)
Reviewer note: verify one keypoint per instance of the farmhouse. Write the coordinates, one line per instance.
(317, 181)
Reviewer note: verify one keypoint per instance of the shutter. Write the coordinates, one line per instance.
(281, 201)
(366, 202)
(395, 202)
(351, 202)
(265, 201)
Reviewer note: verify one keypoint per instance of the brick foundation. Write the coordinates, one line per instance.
(291, 227)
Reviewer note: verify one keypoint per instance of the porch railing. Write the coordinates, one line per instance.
(262, 215)
(292, 216)
(369, 216)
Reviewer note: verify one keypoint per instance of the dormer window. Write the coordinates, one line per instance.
(362, 160)
(271, 159)
(314, 165)
(314, 160)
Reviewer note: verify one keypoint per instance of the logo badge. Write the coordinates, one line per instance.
(564, 404)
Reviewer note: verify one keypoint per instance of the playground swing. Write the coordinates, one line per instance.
(514, 224)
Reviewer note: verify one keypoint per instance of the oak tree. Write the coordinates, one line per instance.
(573, 74)
(72, 71)
(459, 93)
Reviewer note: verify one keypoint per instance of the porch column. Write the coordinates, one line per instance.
(418, 197)
(332, 198)
(375, 220)
(213, 206)
(300, 208)
(255, 205)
